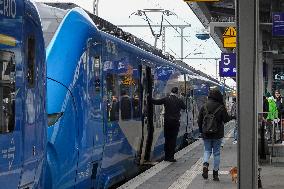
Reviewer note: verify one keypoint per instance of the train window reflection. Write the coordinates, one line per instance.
(113, 101)
(123, 93)
(135, 101)
(7, 91)
(125, 102)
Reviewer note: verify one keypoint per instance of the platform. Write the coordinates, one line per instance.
(186, 172)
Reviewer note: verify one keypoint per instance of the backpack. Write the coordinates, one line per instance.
(209, 124)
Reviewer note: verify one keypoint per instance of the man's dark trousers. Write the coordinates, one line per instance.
(171, 128)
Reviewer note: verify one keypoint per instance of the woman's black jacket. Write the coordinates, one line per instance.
(221, 117)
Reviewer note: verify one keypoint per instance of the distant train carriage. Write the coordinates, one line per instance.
(22, 96)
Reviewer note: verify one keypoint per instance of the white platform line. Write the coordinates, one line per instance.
(186, 179)
(140, 179)
(183, 181)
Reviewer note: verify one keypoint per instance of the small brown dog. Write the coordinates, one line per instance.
(234, 174)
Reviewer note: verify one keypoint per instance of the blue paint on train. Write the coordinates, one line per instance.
(101, 103)
(23, 119)
(101, 125)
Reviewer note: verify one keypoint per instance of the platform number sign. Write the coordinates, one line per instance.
(227, 65)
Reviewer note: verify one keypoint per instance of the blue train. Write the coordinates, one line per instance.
(86, 121)
(23, 118)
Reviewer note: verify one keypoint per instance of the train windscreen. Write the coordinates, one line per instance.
(7, 91)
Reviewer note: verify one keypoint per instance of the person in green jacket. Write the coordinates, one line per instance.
(272, 116)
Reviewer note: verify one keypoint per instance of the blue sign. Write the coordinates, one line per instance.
(227, 65)
(278, 24)
(201, 90)
(164, 73)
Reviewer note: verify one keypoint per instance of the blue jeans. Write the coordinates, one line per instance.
(215, 145)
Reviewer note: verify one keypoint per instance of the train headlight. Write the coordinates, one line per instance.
(53, 118)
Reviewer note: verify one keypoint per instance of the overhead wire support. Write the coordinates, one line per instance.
(152, 31)
(163, 11)
(164, 39)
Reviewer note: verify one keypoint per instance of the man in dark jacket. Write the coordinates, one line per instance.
(173, 105)
(213, 141)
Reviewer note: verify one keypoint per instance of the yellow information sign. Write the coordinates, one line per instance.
(230, 38)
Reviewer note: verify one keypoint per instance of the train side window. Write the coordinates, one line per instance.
(31, 61)
(136, 92)
(113, 101)
(125, 81)
(7, 92)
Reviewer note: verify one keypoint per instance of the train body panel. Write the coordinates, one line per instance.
(22, 96)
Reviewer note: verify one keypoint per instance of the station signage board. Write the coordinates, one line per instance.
(279, 76)
(227, 65)
(230, 38)
(278, 24)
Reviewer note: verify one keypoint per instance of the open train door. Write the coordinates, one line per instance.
(147, 113)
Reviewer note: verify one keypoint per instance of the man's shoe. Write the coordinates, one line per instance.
(235, 142)
(205, 170)
(215, 176)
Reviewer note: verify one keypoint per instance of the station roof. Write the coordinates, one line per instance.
(224, 11)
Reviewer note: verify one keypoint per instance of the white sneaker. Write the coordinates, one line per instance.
(235, 142)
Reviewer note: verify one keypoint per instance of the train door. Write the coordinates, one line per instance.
(32, 120)
(92, 142)
(10, 132)
(147, 112)
(190, 107)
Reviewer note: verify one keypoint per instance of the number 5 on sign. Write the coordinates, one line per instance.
(228, 65)
(226, 59)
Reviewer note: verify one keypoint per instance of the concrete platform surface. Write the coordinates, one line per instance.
(186, 172)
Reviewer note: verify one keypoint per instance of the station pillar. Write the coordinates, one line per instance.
(260, 78)
(247, 82)
(269, 62)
